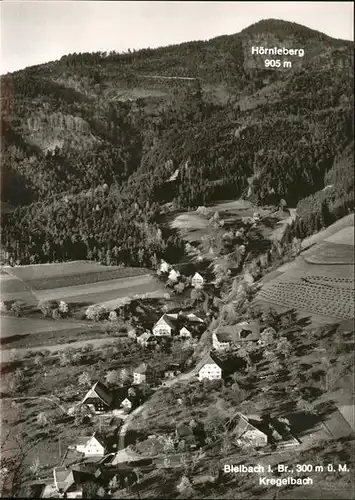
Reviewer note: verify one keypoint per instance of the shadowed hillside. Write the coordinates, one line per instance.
(90, 141)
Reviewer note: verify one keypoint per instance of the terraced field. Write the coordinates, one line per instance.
(314, 297)
(319, 283)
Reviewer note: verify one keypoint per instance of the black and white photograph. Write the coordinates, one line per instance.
(177, 250)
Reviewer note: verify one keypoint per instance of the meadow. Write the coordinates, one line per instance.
(331, 254)
(13, 326)
(77, 282)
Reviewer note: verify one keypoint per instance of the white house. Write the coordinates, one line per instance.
(164, 327)
(221, 341)
(127, 404)
(197, 280)
(174, 275)
(164, 267)
(91, 446)
(209, 369)
(144, 374)
(185, 333)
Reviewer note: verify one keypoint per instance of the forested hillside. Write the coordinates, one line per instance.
(90, 142)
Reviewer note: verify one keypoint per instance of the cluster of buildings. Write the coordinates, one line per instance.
(171, 325)
(197, 281)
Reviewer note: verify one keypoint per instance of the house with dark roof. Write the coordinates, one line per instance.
(144, 374)
(99, 398)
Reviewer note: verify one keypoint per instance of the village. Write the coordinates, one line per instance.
(114, 461)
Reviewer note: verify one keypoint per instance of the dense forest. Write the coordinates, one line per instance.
(90, 143)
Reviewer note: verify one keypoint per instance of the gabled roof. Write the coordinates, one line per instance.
(99, 390)
(241, 424)
(197, 276)
(184, 329)
(165, 319)
(337, 425)
(208, 360)
(126, 455)
(60, 475)
(193, 317)
(348, 412)
(83, 440)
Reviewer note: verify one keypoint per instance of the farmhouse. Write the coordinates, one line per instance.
(229, 335)
(197, 280)
(245, 433)
(210, 369)
(94, 445)
(185, 333)
(221, 341)
(99, 398)
(144, 374)
(164, 327)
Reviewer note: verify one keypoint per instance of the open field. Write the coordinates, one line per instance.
(13, 288)
(102, 291)
(330, 253)
(312, 284)
(47, 276)
(11, 326)
(77, 282)
(345, 236)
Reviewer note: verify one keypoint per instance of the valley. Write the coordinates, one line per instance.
(177, 270)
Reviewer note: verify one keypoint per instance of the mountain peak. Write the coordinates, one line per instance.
(284, 29)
